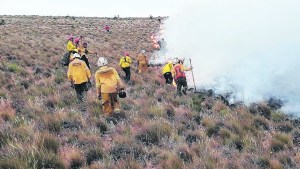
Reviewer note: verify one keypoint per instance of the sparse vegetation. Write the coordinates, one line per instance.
(42, 125)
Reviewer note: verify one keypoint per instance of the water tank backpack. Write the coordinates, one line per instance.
(178, 72)
(66, 59)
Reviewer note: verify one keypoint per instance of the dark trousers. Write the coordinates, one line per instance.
(80, 90)
(127, 73)
(168, 77)
(181, 82)
(85, 59)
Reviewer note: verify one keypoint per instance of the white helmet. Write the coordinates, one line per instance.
(175, 61)
(102, 61)
(143, 51)
(76, 55)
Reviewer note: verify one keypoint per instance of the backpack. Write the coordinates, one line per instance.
(178, 72)
(66, 59)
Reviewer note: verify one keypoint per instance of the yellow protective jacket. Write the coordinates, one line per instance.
(70, 46)
(167, 67)
(78, 72)
(107, 79)
(125, 61)
(142, 59)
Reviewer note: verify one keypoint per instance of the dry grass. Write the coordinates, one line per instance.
(42, 126)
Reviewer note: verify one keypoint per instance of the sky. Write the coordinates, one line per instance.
(91, 8)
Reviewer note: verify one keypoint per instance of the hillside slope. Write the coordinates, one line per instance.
(41, 125)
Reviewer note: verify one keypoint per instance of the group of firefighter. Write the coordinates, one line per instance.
(109, 86)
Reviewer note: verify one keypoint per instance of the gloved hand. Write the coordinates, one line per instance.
(99, 97)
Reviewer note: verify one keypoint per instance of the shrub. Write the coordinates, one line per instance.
(276, 146)
(101, 126)
(152, 112)
(169, 160)
(7, 113)
(191, 138)
(76, 161)
(237, 143)
(115, 118)
(12, 163)
(196, 103)
(221, 108)
(53, 124)
(263, 163)
(94, 108)
(51, 102)
(59, 77)
(125, 151)
(280, 142)
(169, 110)
(128, 164)
(8, 135)
(225, 134)
(284, 127)
(13, 68)
(296, 137)
(278, 117)
(49, 142)
(261, 123)
(287, 161)
(153, 134)
(212, 131)
(2, 22)
(93, 154)
(236, 127)
(47, 160)
(185, 155)
(197, 118)
(23, 133)
(260, 109)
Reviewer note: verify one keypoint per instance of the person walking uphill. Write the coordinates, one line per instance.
(142, 61)
(178, 72)
(70, 44)
(167, 72)
(78, 74)
(84, 52)
(125, 63)
(108, 83)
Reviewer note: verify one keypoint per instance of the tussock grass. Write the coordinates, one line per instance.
(42, 125)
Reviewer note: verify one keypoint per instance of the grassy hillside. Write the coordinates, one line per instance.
(41, 125)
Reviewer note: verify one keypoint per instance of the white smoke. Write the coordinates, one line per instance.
(250, 46)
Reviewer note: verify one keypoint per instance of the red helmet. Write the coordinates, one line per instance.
(70, 37)
(76, 40)
(126, 53)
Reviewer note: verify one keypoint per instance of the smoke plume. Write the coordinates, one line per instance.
(251, 47)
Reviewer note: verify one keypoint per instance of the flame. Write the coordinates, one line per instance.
(154, 40)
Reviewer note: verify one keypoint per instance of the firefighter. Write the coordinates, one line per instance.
(108, 83)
